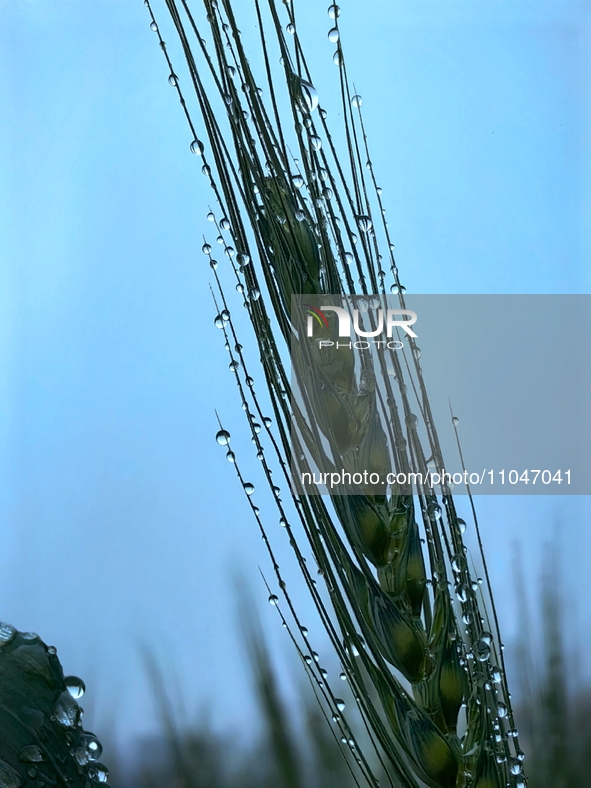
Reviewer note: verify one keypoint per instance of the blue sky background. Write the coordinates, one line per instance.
(122, 523)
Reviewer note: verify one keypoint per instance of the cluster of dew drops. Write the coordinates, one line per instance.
(86, 749)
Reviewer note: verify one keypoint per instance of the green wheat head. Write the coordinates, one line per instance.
(415, 632)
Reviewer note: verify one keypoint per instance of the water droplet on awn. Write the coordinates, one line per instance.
(365, 223)
(309, 96)
(223, 437)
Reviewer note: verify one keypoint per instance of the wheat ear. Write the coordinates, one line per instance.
(416, 635)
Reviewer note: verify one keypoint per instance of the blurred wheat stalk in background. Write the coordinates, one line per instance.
(414, 630)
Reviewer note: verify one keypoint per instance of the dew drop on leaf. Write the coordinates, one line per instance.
(75, 686)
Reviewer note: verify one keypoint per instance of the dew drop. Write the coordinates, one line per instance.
(273, 600)
(233, 366)
(98, 772)
(225, 224)
(315, 142)
(309, 96)
(7, 634)
(206, 249)
(502, 710)
(297, 181)
(243, 259)
(213, 264)
(411, 420)
(248, 488)
(461, 525)
(75, 686)
(334, 11)
(290, 29)
(173, 80)
(348, 258)
(197, 148)
(31, 753)
(357, 101)
(365, 223)
(92, 746)
(223, 437)
(230, 456)
(153, 27)
(455, 421)
(218, 322)
(336, 58)
(462, 592)
(66, 711)
(515, 766)
(340, 704)
(211, 217)
(333, 35)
